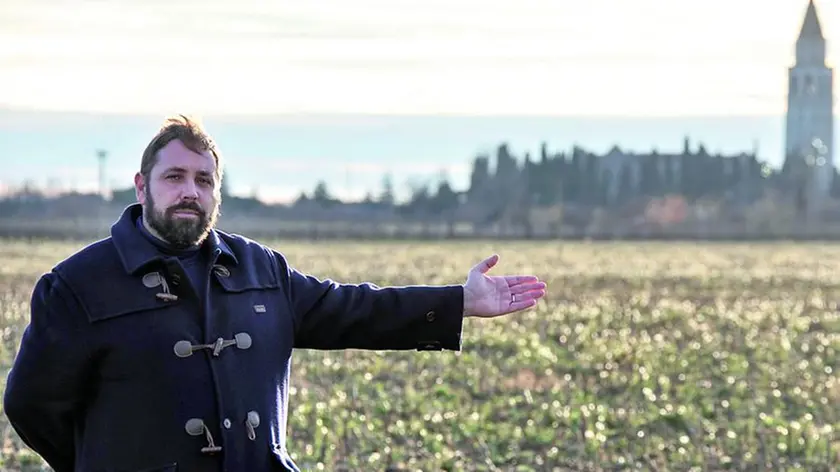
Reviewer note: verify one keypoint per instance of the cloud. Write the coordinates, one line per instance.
(368, 30)
(403, 56)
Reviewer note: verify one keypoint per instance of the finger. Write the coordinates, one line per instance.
(487, 264)
(514, 280)
(527, 287)
(518, 306)
(531, 295)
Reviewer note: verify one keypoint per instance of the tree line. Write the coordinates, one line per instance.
(586, 179)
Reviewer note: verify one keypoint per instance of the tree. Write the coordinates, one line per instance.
(445, 199)
(321, 194)
(625, 185)
(650, 185)
(225, 190)
(419, 198)
(572, 177)
(387, 195)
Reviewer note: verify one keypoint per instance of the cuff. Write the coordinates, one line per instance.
(441, 325)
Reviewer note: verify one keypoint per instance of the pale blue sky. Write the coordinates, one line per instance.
(593, 57)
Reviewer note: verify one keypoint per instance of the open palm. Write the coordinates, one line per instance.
(489, 296)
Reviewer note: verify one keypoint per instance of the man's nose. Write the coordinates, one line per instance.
(189, 191)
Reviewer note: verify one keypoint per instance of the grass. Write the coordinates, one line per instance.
(642, 357)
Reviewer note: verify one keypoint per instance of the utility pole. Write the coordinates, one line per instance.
(347, 186)
(102, 157)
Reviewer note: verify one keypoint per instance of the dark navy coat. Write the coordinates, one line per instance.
(126, 367)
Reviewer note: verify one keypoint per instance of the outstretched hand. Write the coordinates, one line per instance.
(489, 296)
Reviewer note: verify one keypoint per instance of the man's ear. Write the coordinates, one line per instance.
(140, 188)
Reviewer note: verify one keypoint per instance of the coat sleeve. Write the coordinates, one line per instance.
(44, 385)
(332, 315)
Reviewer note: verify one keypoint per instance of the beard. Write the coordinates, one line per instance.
(181, 233)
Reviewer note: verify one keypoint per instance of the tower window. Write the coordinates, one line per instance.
(810, 85)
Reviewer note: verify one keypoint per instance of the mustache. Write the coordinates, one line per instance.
(186, 206)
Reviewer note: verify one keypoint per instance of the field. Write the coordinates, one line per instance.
(642, 357)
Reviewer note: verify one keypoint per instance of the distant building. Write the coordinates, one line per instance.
(809, 132)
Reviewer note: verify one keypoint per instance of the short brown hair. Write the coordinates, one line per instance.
(187, 130)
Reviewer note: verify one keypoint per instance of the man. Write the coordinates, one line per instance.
(167, 346)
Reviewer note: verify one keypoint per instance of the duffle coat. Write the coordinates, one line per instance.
(127, 367)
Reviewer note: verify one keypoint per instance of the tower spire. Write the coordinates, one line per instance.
(810, 45)
(811, 24)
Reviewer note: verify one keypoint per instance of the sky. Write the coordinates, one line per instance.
(476, 57)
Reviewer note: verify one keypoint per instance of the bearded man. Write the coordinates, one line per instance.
(167, 345)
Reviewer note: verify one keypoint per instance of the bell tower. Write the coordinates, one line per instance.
(809, 131)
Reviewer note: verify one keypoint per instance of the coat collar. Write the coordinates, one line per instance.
(136, 252)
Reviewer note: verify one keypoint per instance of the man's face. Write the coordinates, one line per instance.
(181, 196)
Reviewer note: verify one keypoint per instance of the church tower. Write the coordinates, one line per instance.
(809, 130)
